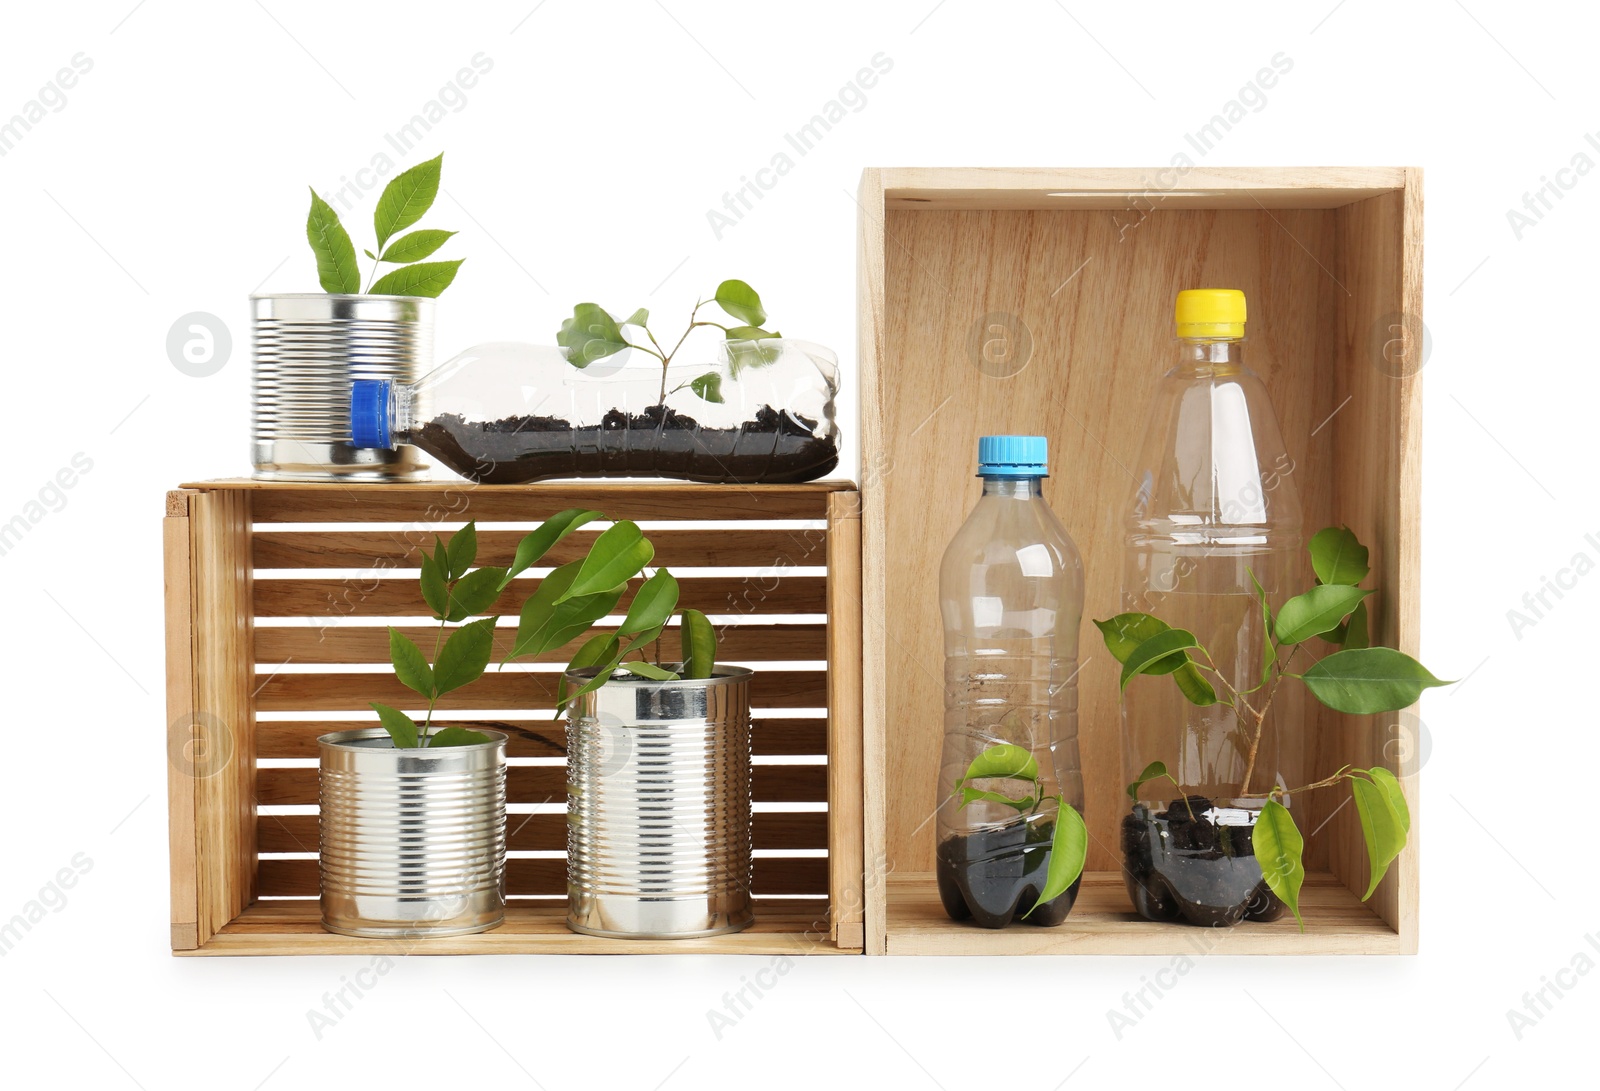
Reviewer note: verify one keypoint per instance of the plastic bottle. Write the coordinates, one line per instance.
(1011, 592)
(1215, 511)
(506, 412)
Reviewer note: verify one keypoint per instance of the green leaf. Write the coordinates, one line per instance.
(699, 644)
(475, 592)
(616, 557)
(1194, 685)
(1151, 772)
(415, 246)
(1386, 780)
(545, 627)
(1155, 650)
(595, 651)
(441, 556)
(538, 542)
(409, 664)
(370, 254)
(1353, 633)
(462, 550)
(434, 591)
(464, 656)
(639, 317)
(1003, 760)
(1380, 826)
(1279, 847)
(457, 736)
(594, 683)
(425, 278)
(1337, 557)
(708, 386)
(1069, 847)
(749, 333)
(337, 270)
(740, 300)
(750, 355)
(652, 605)
(539, 609)
(1125, 632)
(649, 670)
(975, 795)
(402, 729)
(1367, 680)
(1317, 611)
(406, 199)
(590, 334)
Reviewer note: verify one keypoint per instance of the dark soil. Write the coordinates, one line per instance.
(994, 876)
(658, 442)
(1179, 865)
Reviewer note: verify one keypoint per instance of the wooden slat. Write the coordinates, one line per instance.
(177, 576)
(779, 830)
(380, 549)
(345, 643)
(362, 597)
(543, 738)
(428, 503)
(288, 692)
(1103, 922)
(783, 926)
(548, 784)
(772, 875)
(846, 847)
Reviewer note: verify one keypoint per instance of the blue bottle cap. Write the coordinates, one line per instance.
(1013, 456)
(369, 413)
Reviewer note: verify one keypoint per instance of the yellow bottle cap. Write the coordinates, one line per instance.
(1211, 312)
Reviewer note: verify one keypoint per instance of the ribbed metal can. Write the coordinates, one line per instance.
(658, 807)
(413, 840)
(307, 349)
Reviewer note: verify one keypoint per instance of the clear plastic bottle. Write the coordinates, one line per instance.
(1214, 512)
(507, 412)
(1011, 592)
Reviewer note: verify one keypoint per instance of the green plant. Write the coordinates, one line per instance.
(1357, 679)
(576, 595)
(593, 334)
(1069, 842)
(404, 201)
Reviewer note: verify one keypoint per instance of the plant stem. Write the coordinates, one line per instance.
(371, 280)
(1327, 782)
(1261, 719)
(438, 640)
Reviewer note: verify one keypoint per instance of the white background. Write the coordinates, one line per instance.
(582, 166)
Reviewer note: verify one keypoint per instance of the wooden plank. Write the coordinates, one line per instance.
(1123, 189)
(348, 643)
(783, 926)
(220, 760)
(755, 593)
(1102, 922)
(777, 830)
(548, 784)
(288, 692)
(281, 878)
(541, 738)
(383, 549)
(428, 504)
(177, 575)
(846, 845)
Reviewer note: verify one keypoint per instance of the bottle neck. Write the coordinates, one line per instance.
(402, 403)
(1201, 356)
(1013, 488)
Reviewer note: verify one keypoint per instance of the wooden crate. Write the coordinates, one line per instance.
(277, 600)
(964, 276)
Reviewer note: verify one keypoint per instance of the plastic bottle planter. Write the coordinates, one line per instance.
(308, 349)
(413, 840)
(502, 413)
(658, 807)
(1194, 862)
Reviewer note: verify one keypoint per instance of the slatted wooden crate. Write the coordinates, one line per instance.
(1040, 301)
(278, 598)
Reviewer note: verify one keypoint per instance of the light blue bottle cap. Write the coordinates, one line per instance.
(369, 413)
(1013, 456)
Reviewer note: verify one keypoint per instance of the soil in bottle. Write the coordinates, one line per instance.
(993, 876)
(1195, 863)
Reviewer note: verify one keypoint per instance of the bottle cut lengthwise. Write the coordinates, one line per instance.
(504, 413)
(1011, 593)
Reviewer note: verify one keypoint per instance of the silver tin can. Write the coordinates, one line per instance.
(413, 840)
(658, 807)
(308, 348)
